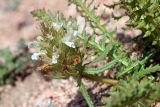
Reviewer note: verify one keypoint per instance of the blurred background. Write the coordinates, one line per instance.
(16, 21)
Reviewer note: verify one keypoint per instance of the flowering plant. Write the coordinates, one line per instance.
(57, 44)
(68, 49)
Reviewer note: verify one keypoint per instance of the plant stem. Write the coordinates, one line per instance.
(90, 15)
(99, 79)
(85, 93)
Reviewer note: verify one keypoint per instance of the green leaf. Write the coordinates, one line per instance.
(131, 92)
(101, 68)
(85, 93)
(42, 14)
(148, 33)
(134, 65)
(121, 57)
(128, 69)
(7, 55)
(96, 45)
(103, 55)
(147, 71)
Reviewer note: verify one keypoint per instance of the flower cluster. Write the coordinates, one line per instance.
(57, 40)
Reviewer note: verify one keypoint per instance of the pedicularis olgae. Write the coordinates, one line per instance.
(68, 49)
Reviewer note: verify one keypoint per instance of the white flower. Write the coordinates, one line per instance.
(81, 24)
(70, 44)
(41, 56)
(55, 50)
(40, 38)
(75, 33)
(57, 25)
(68, 40)
(70, 37)
(55, 55)
(50, 37)
(69, 24)
(37, 56)
(54, 59)
(33, 44)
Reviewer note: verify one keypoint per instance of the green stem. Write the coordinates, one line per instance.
(85, 93)
(92, 17)
(99, 79)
